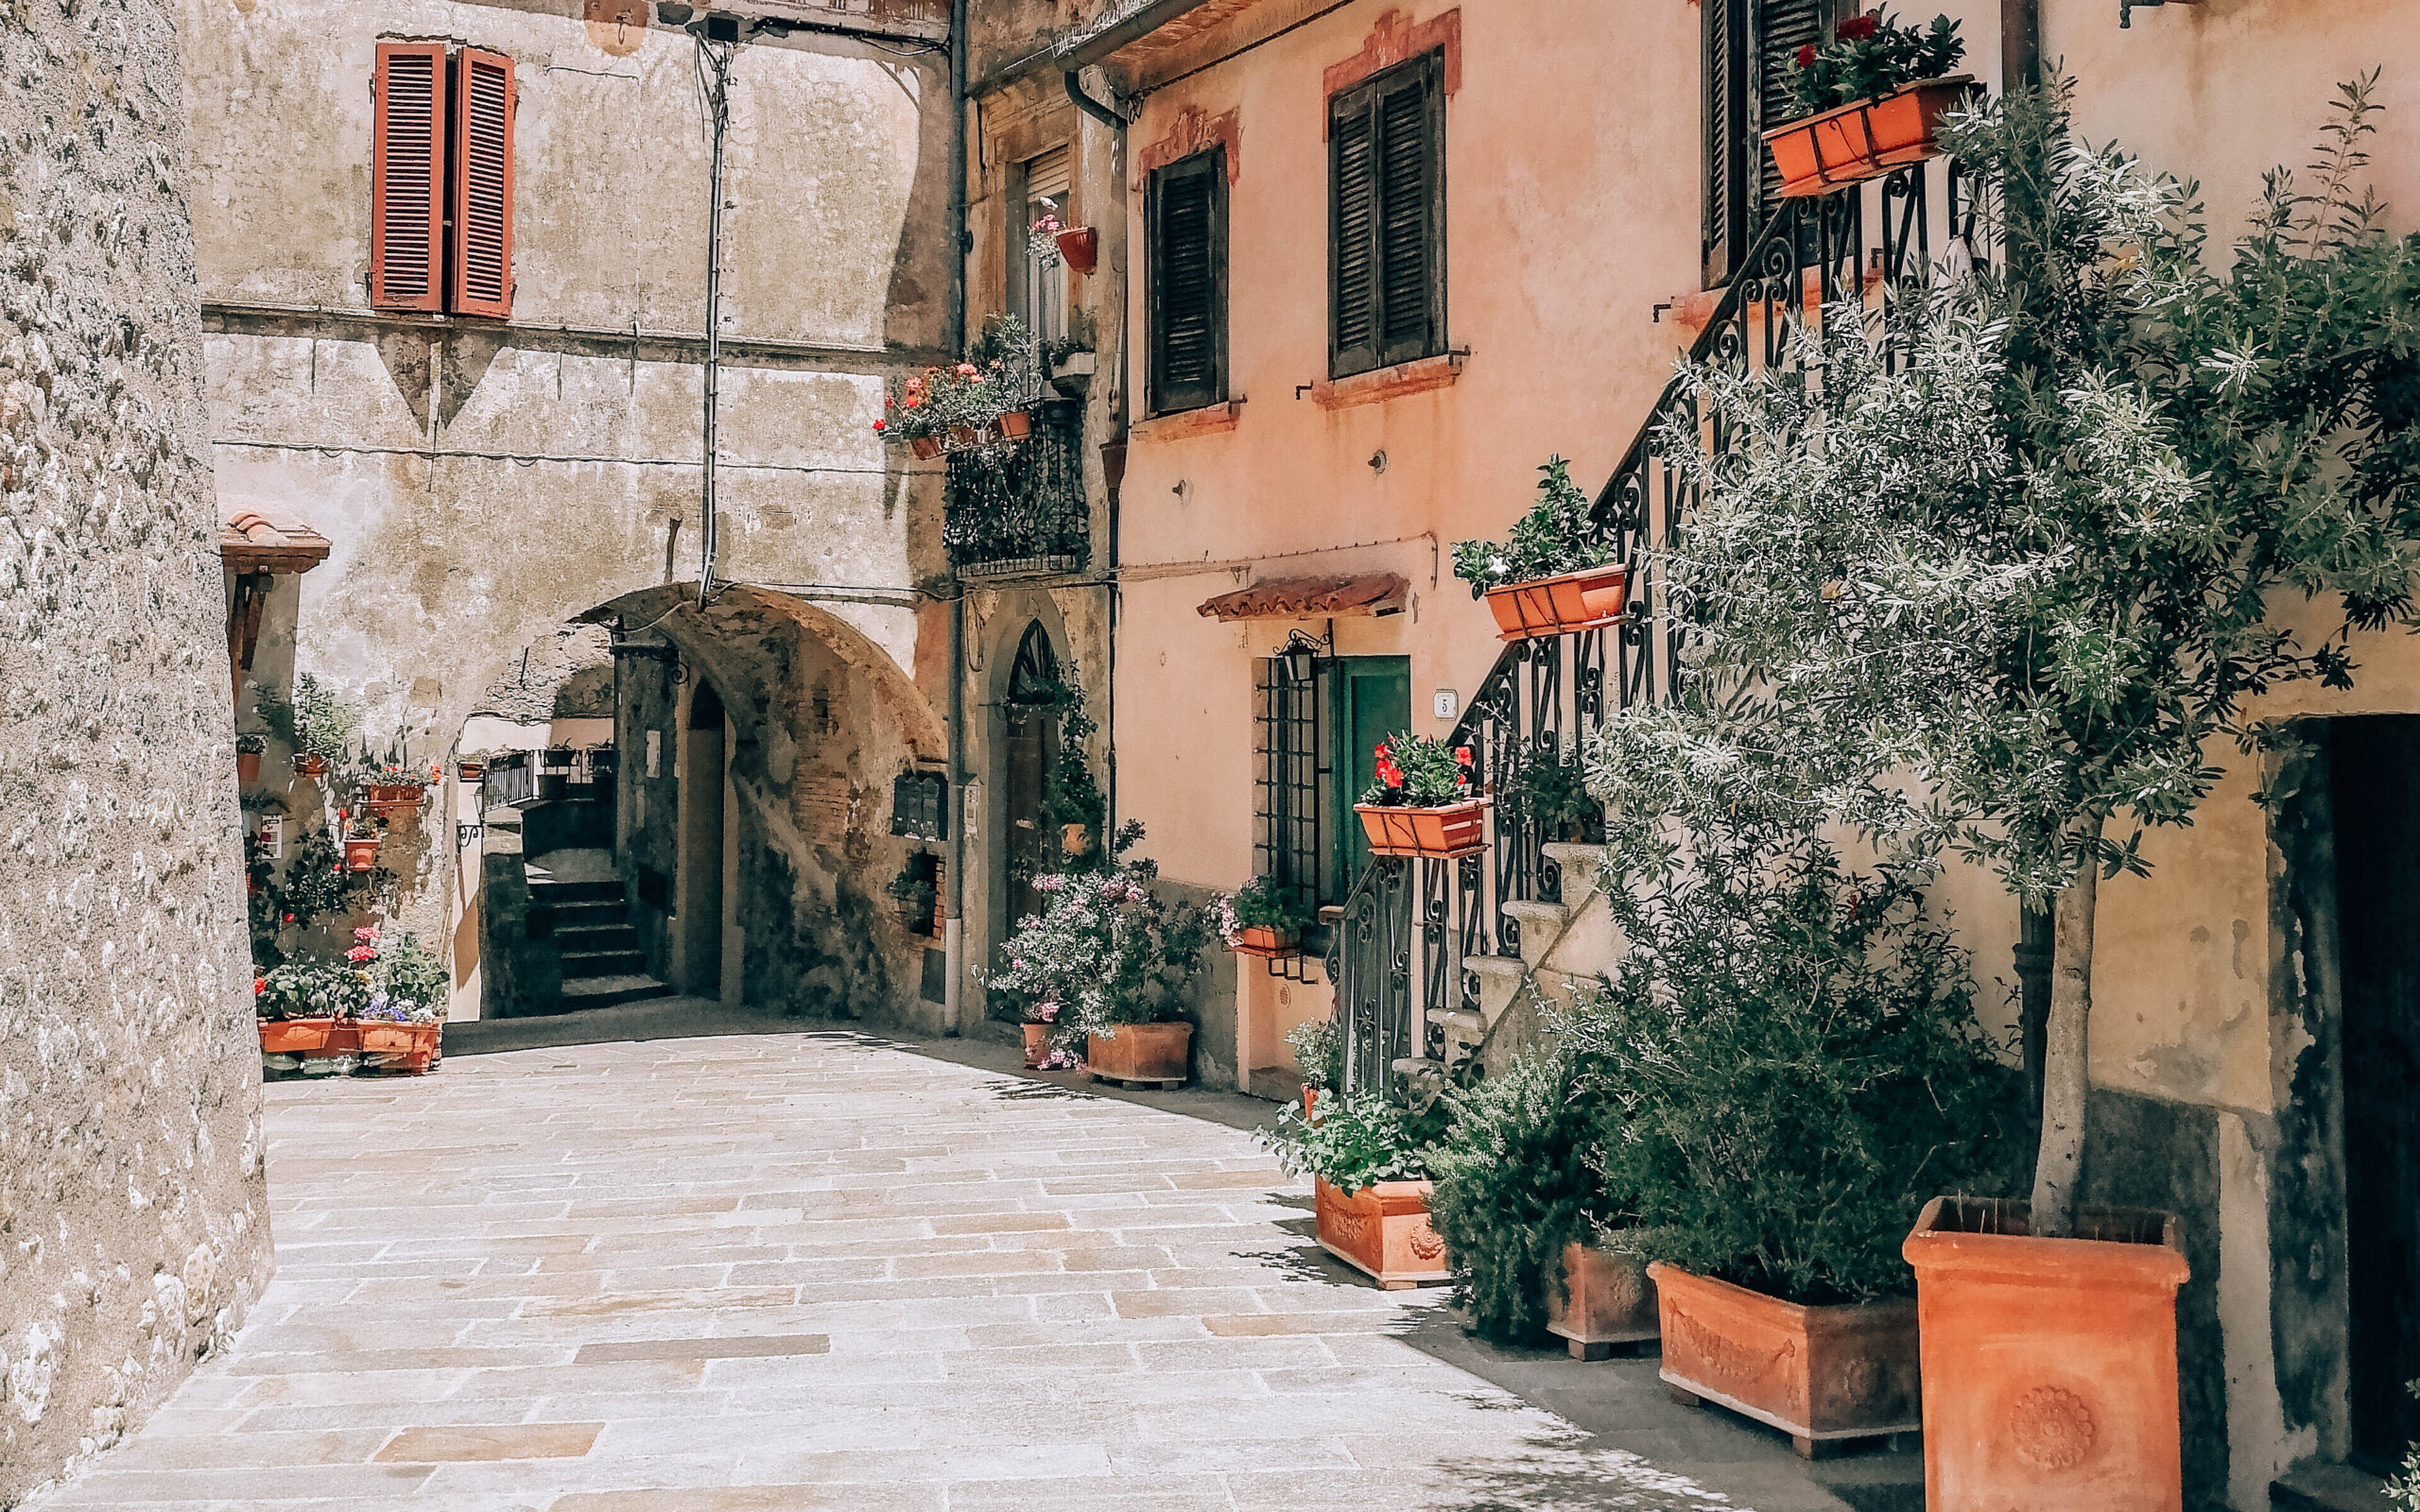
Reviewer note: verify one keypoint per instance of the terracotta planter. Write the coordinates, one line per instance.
(1140, 1052)
(344, 1038)
(1037, 1045)
(248, 766)
(1383, 1230)
(1612, 1300)
(925, 447)
(469, 771)
(1079, 247)
(394, 800)
(1014, 425)
(360, 856)
(1816, 1373)
(1264, 940)
(1560, 606)
(2049, 1364)
(311, 766)
(1437, 834)
(295, 1037)
(1311, 1104)
(1868, 139)
(406, 1047)
(1075, 839)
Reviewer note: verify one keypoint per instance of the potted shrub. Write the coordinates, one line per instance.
(1368, 1158)
(1866, 102)
(1319, 1057)
(1421, 805)
(1534, 1227)
(301, 1005)
(1262, 917)
(314, 724)
(968, 404)
(1550, 794)
(1106, 964)
(1791, 1052)
(1553, 574)
(403, 1021)
(248, 751)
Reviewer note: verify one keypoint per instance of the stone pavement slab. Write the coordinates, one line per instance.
(802, 1270)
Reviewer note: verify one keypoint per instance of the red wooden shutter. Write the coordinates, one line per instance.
(407, 177)
(481, 240)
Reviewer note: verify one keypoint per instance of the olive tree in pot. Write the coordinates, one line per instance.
(2027, 572)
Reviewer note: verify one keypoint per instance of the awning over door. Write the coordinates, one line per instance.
(1312, 599)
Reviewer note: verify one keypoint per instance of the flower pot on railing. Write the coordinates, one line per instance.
(360, 854)
(1853, 143)
(1819, 1374)
(310, 764)
(1383, 1231)
(1606, 1300)
(1012, 425)
(2078, 1406)
(963, 439)
(1267, 941)
(925, 447)
(1584, 600)
(1441, 833)
(1079, 247)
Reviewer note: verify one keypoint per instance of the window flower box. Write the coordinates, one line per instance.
(1819, 1374)
(1266, 941)
(1441, 833)
(1383, 1231)
(1864, 140)
(1585, 600)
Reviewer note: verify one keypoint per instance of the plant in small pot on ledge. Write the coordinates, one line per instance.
(1263, 917)
(1368, 1160)
(1554, 574)
(314, 724)
(1422, 806)
(1867, 102)
(1319, 1057)
(977, 403)
(1106, 964)
(248, 751)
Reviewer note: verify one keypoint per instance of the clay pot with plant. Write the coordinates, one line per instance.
(1867, 102)
(1318, 1045)
(1554, 574)
(316, 724)
(1368, 1158)
(1263, 917)
(1421, 805)
(248, 751)
(981, 402)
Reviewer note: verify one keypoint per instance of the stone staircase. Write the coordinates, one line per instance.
(1564, 945)
(601, 962)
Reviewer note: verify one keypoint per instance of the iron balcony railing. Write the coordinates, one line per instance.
(1021, 511)
(1413, 936)
(509, 780)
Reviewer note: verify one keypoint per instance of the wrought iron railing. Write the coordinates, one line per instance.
(510, 780)
(1405, 953)
(1021, 510)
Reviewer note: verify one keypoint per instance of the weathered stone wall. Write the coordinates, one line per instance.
(132, 1226)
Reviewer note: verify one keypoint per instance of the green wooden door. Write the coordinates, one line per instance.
(1371, 700)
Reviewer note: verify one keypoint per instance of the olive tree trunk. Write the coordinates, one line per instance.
(2065, 1070)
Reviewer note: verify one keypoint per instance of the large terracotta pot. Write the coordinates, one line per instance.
(295, 1037)
(1816, 1373)
(1037, 1045)
(2050, 1364)
(1610, 1301)
(1866, 140)
(360, 856)
(1437, 834)
(1384, 1232)
(1265, 940)
(1140, 1052)
(248, 766)
(1560, 605)
(1080, 249)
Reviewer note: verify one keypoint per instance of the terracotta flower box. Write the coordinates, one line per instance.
(1819, 1374)
(1267, 941)
(1012, 425)
(408, 1047)
(1383, 1231)
(2050, 1364)
(310, 766)
(1433, 833)
(1610, 1301)
(1560, 606)
(1140, 1052)
(1079, 247)
(393, 799)
(1852, 142)
(248, 768)
(925, 447)
(295, 1037)
(360, 856)
(469, 771)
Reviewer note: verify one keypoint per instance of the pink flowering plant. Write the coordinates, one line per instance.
(1421, 772)
(947, 400)
(1106, 950)
(1263, 902)
(1041, 238)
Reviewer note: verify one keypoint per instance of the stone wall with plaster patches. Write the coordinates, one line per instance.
(133, 1231)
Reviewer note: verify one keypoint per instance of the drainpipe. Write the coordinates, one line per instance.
(2020, 44)
(954, 908)
(1118, 124)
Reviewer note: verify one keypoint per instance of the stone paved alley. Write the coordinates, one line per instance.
(813, 1270)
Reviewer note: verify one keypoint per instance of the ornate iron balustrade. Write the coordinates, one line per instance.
(1013, 512)
(1402, 956)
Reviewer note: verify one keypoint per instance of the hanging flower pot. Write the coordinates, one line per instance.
(1865, 140)
(1014, 425)
(362, 855)
(963, 439)
(1819, 1374)
(311, 764)
(1584, 600)
(1383, 1231)
(1079, 247)
(1441, 833)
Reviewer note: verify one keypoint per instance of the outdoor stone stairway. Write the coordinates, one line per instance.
(602, 964)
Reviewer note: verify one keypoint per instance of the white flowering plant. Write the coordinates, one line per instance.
(1559, 534)
(1106, 950)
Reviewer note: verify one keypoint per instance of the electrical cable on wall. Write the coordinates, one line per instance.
(713, 61)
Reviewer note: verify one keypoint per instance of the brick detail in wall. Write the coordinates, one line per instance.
(1397, 40)
(1197, 130)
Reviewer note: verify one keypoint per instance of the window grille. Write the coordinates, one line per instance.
(1288, 831)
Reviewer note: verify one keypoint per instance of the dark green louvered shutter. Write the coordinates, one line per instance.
(1387, 268)
(1748, 45)
(1189, 216)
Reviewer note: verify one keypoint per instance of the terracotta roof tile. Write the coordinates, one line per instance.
(248, 542)
(1311, 598)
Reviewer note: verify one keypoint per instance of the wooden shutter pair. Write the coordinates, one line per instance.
(1387, 266)
(1188, 215)
(441, 213)
(1749, 48)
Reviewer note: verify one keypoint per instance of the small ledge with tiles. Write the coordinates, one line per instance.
(1210, 420)
(1381, 384)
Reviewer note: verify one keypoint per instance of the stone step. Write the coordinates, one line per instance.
(1540, 926)
(606, 991)
(592, 963)
(581, 937)
(559, 893)
(1459, 1022)
(588, 913)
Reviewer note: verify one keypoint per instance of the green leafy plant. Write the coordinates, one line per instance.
(1263, 902)
(1870, 56)
(1519, 1177)
(947, 400)
(1319, 1051)
(1420, 771)
(1551, 792)
(407, 980)
(1559, 535)
(251, 744)
(1106, 950)
(315, 722)
(2403, 1490)
(1355, 1141)
(310, 989)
